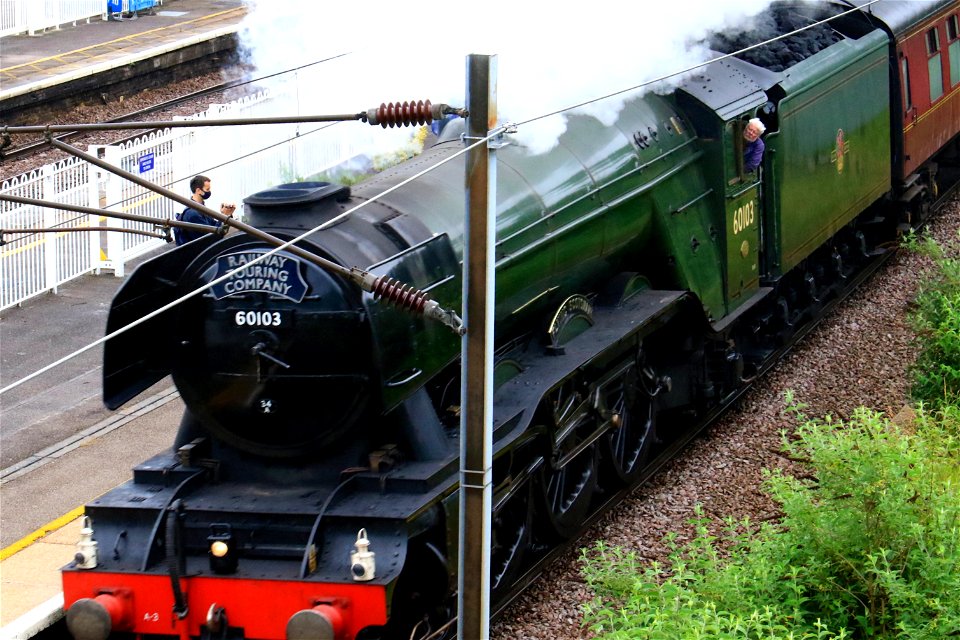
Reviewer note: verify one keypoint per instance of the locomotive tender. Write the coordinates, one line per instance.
(642, 278)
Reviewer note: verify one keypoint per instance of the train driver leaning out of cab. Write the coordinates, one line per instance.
(200, 185)
(753, 149)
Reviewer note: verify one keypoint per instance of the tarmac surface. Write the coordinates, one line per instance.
(59, 446)
(29, 64)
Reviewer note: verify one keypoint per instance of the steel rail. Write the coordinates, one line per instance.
(27, 149)
(33, 147)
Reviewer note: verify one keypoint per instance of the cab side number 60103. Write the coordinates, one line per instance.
(743, 216)
(257, 318)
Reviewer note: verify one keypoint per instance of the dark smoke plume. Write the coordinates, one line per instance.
(779, 20)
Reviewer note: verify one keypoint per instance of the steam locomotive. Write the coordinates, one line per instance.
(642, 279)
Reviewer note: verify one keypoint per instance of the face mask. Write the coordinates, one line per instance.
(205, 195)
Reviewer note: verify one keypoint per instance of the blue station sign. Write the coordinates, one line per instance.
(145, 162)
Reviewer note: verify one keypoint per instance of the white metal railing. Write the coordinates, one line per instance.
(259, 156)
(30, 264)
(152, 158)
(31, 16)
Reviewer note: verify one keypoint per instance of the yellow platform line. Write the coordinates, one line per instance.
(46, 529)
(130, 37)
(44, 238)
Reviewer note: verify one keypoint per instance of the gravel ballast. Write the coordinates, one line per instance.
(858, 356)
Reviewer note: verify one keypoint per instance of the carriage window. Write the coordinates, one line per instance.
(933, 41)
(905, 72)
(953, 48)
(933, 64)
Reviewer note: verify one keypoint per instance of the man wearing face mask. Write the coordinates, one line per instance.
(200, 185)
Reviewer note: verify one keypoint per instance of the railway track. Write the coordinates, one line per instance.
(666, 456)
(674, 449)
(545, 618)
(26, 150)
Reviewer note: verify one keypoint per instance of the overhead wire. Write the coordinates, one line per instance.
(491, 135)
(231, 273)
(27, 237)
(647, 83)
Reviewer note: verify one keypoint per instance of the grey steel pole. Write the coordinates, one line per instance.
(476, 427)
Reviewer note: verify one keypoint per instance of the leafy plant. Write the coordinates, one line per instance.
(868, 547)
(936, 320)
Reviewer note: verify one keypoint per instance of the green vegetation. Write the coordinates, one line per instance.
(936, 321)
(868, 545)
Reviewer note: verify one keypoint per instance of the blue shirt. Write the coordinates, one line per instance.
(183, 236)
(752, 155)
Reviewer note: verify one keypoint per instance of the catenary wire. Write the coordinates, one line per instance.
(232, 85)
(168, 184)
(495, 133)
(696, 66)
(229, 274)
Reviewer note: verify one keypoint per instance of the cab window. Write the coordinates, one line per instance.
(733, 150)
(734, 159)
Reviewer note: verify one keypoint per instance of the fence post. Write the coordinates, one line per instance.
(49, 240)
(113, 192)
(93, 200)
(35, 13)
(57, 17)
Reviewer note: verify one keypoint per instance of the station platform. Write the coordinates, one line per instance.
(63, 62)
(40, 461)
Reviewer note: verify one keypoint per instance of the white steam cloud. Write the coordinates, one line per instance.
(550, 55)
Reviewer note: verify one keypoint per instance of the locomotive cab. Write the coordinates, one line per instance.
(720, 117)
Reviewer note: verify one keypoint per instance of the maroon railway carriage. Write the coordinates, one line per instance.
(927, 110)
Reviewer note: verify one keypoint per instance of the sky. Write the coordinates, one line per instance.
(549, 55)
